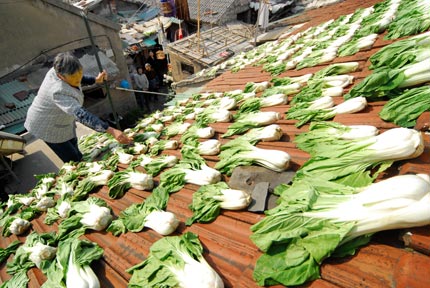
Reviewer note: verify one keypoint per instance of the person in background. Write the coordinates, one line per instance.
(161, 66)
(58, 104)
(151, 59)
(152, 77)
(142, 84)
(153, 82)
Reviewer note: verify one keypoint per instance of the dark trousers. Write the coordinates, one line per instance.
(67, 151)
(142, 100)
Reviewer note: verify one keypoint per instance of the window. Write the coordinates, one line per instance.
(187, 69)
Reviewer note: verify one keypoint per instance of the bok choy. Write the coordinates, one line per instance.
(175, 261)
(243, 153)
(317, 219)
(149, 214)
(251, 120)
(208, 201)
(308, 114)
(126, 179)
(351, 162)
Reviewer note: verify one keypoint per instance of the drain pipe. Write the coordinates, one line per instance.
(93, 45)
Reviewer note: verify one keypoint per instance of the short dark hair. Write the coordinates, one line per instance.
(66, 64)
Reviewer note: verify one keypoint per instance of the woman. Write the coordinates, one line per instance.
(142, 84)
(58, 104)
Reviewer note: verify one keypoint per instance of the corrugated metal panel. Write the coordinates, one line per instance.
(13, 116)
(213, 11)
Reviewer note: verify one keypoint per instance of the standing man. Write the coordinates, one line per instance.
(58, 104)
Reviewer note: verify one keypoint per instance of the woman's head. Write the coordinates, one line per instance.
(68, 68)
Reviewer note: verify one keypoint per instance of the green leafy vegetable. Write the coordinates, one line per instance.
(175, 261)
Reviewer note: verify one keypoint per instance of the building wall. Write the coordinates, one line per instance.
(34, 28)
(175, 62)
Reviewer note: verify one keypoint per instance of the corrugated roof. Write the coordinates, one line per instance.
(398, 258)
(214, 11)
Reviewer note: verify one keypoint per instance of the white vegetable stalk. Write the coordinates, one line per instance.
(65, 188)
(207, 102)
(157, 127)
(190, 116)
(207, 132)
(206, 175)
(367, 41)
(24, 200)
(338, 80)
(209, 147)
(101, 178)
(151, 141)
(167, 118)
(247, 96)
(355, 132)
(350, 106)
(336, 91)
(45, 203)
(205, 95)
(288, 53)
(123, 158)
(268, 133)
(80, 277)
(396, 203)
(19, 226)
(145, 159)
(67, 167)
(162, 222)
(203, 275)
(140, 181)
(415, 69)
(328, 56)
(221, 115)
(157, 115)
(273, 100)
(40, 252)
(233, 92)
(292, 88)
(44, 187)
(321, 103)
(139, 148)
(63, 209)
(199, 110)
(302, 80)
(145, 122)
(98, 218)
(262, 118)
(129, 133)
(275, 160)
(93, 167)
(397, 143)
(233, 199)
(226, 103)
(260, 87)
(171, 145)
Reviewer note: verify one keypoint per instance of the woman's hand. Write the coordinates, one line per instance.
(119, 135)
(101, 77)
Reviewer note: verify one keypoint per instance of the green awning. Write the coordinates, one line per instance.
(149, 42)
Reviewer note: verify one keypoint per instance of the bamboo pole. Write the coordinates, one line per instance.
(198, 25)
